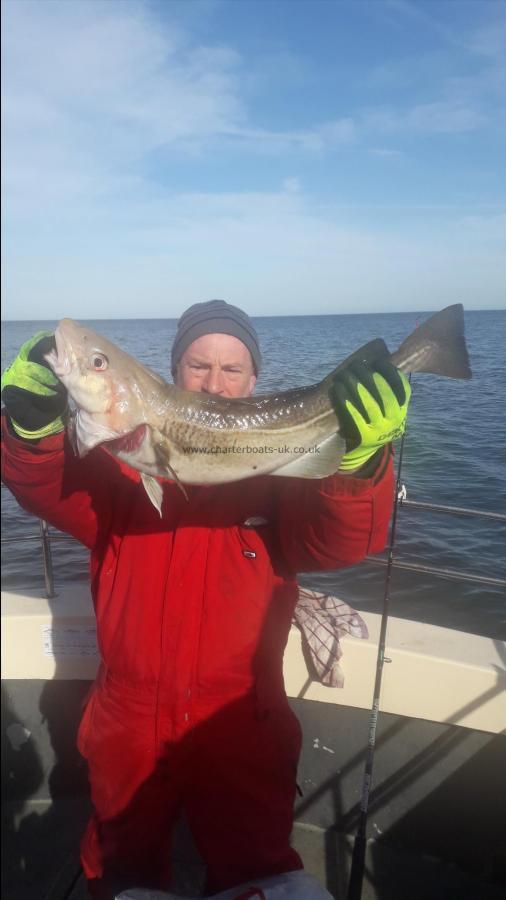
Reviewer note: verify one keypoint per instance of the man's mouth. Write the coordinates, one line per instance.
(128, 443)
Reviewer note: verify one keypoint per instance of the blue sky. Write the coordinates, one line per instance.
(291, 157)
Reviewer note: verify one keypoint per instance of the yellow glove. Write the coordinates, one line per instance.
(34, 398)
(371, 403)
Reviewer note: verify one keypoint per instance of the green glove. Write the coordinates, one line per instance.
(371, 402)
(34, 398)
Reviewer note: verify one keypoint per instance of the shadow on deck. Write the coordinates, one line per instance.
(390, 874)
(438, 822)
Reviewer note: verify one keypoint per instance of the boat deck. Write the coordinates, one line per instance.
(55, 873)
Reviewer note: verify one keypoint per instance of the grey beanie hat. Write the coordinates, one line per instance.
(214, 317)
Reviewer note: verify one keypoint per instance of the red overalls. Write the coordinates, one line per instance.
(193, 613)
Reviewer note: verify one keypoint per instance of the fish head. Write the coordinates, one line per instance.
(106, 385)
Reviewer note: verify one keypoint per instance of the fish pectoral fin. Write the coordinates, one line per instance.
(323, 460)
(154, 491)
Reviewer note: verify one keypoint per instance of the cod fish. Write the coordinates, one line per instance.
(197, 438)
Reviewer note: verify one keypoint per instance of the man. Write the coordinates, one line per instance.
(193, 610)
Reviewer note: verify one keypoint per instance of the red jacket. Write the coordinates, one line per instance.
(197, 605)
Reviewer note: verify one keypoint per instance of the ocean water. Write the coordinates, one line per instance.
(454, 455)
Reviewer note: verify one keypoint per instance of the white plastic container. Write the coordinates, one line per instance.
(290, 886)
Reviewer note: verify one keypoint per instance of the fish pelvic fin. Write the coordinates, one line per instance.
(437, 346)
(154, 491)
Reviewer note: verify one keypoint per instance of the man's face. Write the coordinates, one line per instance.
(217, 364)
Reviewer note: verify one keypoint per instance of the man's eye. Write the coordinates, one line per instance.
(99, 362)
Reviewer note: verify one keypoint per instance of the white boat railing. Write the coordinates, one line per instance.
(46, 538)
(441, 571)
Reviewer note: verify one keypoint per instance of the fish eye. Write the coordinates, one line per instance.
(99, 362)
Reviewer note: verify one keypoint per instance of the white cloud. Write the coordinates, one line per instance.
(439, 117)
(386, 152)
(92, 87)
(445, 117)
(486, 228)
(322, 138)
(490, 40)
(291, 185)
(92, 90)
(269, 252)
(424, 18)
(460, 77)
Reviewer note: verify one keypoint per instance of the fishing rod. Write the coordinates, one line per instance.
(359, 846)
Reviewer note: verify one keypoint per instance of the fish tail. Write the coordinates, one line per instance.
(437, 346)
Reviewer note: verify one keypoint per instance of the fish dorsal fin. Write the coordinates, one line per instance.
(324, 460)
(154, 491)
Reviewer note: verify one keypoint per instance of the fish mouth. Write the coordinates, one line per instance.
(60, 359)
(128, 443)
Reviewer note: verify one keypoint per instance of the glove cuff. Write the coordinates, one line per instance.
(53, 427)
(357, 458)
(353, 461)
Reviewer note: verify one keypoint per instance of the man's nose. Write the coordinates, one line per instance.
(214, 383)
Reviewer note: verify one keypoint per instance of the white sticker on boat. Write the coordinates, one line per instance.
(69, 640)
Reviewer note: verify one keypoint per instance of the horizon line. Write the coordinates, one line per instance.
(393, 312)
